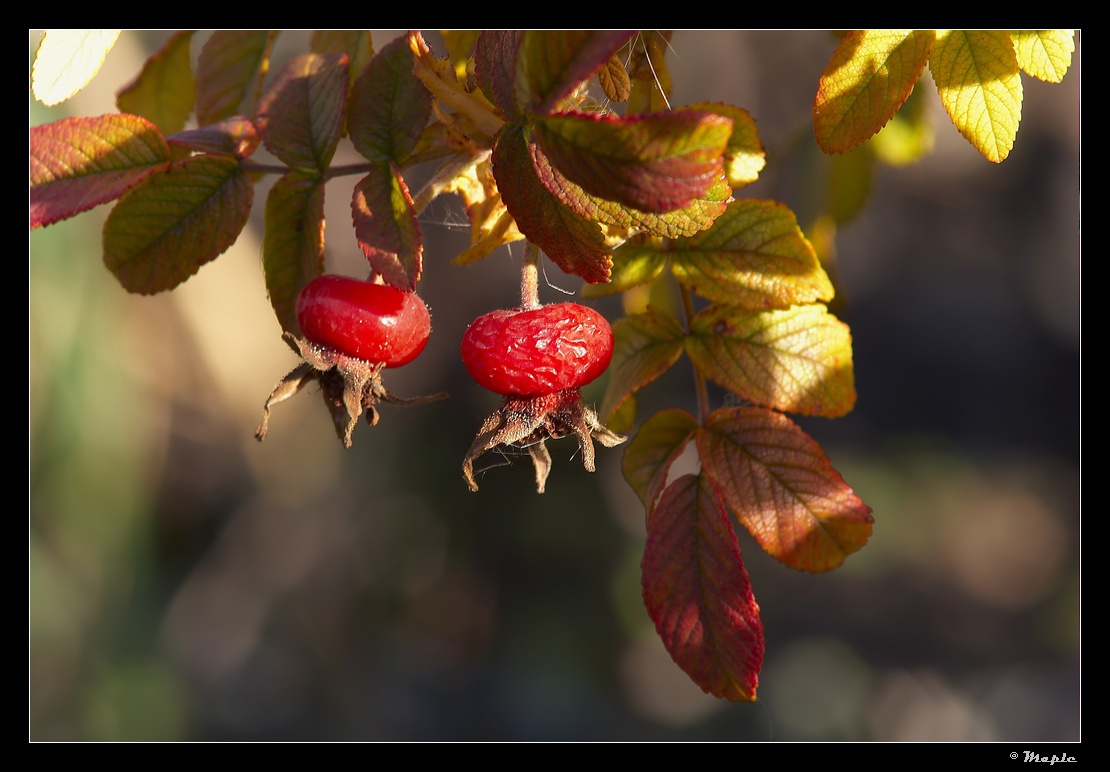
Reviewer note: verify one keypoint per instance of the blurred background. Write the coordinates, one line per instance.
(189, 583)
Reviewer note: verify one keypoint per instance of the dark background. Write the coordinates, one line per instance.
(186, 582)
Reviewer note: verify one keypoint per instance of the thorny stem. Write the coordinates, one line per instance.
(699, 379)
(530, 277)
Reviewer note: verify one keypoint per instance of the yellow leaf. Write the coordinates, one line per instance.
(869, 76)
(67, 60)
(977, 75)
(1044, 54)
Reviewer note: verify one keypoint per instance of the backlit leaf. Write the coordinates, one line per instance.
(656, 446)
(230, 71)
(232, 136)
(386, 227)
(439, 77)
(301, 113)
(164, 90)
(460, 45)
(697, 591)
(977, 75)
(744, 154)
(389, 106)
(551, 64)
(293, 245)
(869, 76)
(176, 221)
(66, 60)
(355, 43)
(637, 262)
(696, 216)
(755, 256)
(797, 359)
(495, 54)
(655, 163)
(782, 488)
(1044, 54)
(574, 244)
(491, 225)
(644, 347)
(614, 80)
(78, 163)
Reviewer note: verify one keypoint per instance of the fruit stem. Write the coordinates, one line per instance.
(530, 277)
(699, 379)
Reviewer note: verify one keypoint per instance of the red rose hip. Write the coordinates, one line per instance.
(538, 351)
(372, 322)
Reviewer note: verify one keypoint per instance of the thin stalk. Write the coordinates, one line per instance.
(530, 277)
(699, 379)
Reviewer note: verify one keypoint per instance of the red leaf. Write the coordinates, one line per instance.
(697, 591)
(79, 163)
(387, 228)
(575, 244)
(550, 64)
(653, 163)
(783, 488)
(494, 68)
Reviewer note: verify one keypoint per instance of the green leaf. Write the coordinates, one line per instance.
(66, 60)
(573, 243)
(355, 43)
(176, 221)
(302, 112)
(654, 163)
(697, 591)
(293, 245)
(868, 78)
(644, 347)
(797, 359)
(656, 446)
(638, 261)
(1044, 54)
(78, 163)
(782, 488)
(696, 216)
(386, 227)
(164, 90)
(551, 64)
(235, 136)
(754, 256)
(389, 106)
(977, 75)
(744, 154)
(230, 71)
(495, 70)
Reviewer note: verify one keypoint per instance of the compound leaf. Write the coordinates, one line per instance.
(869, 76)
(782, 488)
(697, 591)
(78, 163)
(797, 359)
(160, 233)
(977, 75)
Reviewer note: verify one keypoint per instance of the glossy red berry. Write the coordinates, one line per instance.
(372, 322)
(538, 351)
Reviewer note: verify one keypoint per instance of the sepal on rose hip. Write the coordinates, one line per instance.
(352, 331)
